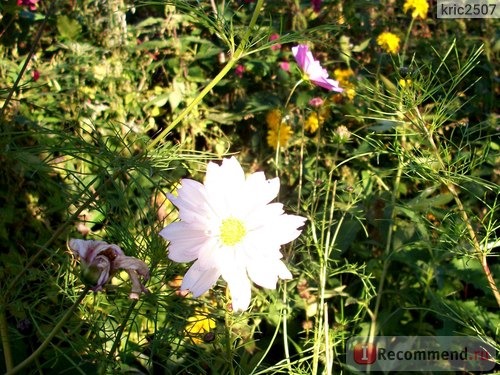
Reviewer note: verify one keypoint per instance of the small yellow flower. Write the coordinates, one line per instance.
(420, 8)
(344, 77)
(389, 42)
(273, 119)
(282, 134)
(405, 82)
(312, 122)
(199, 325)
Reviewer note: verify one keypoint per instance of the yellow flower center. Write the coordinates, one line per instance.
(232, 231)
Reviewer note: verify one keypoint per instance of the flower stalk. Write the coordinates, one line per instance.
(480, 254)
(235, 56)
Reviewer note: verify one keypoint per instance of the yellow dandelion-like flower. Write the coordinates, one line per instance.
(199, 325)
(312, 122)
(280, 135)
(344, 77)
(389, 42)
(273, 119)
(420, 8)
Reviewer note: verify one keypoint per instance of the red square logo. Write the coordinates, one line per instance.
(365, 354)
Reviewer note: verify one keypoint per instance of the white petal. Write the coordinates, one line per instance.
(224, 185)
(207, 256)
(198, 281)
(239, 287)
(186, 241)
(191, 201)
(257, 193)
(282, 230)
(265, 272)
(264, 216)
(256, 246)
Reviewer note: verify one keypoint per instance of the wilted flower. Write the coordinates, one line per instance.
(231, 230)
(312, 69)
(100, 260)
(199, 325)
(420, 8)
(31, 4)
(389, 42)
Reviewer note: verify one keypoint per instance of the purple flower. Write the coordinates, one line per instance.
(100, 260)
(312, 69)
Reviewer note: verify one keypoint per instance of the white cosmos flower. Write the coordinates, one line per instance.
(230, 228)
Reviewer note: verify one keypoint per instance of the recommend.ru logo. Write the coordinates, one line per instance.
(420, 353)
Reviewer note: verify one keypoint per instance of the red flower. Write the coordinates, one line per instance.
(239, 70)
(316, 4)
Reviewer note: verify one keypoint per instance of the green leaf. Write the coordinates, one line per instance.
(362, 46)
(68, 28)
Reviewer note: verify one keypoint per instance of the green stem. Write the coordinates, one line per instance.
(4, 333)
(118, 337)
(234, 58)
(51, 335)
(388, 245)
(284, 323)
(405, 44)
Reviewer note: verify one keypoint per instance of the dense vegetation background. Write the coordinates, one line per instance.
(103, 110)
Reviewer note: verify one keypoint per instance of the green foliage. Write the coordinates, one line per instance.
(397, 176)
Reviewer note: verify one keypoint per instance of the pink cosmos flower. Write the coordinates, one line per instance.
(285, 65)
(275, 47)
(313, 71)
(31, 4)
(100, 260)
(316, 102)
